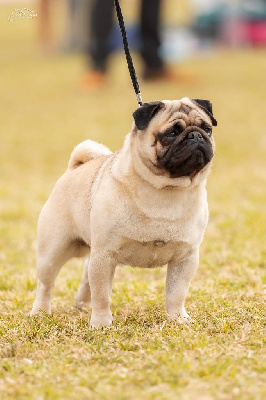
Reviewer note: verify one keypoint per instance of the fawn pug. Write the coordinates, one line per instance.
(145, 206)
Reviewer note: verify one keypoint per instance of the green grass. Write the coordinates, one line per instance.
(43, 115)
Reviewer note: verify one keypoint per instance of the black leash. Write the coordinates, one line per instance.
(130, 65)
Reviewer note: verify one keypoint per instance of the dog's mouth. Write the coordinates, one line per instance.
(188, 154)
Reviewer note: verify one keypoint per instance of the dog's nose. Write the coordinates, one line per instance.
(195, 136)
(194, 139)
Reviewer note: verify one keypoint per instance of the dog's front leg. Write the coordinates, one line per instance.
(101, 271)
(179, 275)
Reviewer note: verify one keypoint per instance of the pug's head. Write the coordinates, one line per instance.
(174, 138)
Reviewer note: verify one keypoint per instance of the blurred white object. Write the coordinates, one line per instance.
(202, 6)
(178, 44)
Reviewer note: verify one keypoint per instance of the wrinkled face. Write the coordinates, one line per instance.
(176, 136)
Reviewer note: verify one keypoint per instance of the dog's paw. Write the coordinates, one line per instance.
(83, 304)
(185, 319)
(36, 308)
(185, 316)
(83, 297)
(98, 322)
(181, 316)
(181, 320)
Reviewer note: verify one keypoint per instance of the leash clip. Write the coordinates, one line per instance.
(139, 99)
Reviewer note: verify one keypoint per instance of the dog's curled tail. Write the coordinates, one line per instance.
(86, 151)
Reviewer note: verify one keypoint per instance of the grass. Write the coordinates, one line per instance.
(43, 115)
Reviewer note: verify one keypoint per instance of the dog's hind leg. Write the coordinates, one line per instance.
(55, 247)
(83, 297)
(48, 267)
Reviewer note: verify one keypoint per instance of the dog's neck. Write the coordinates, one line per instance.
(128, 160)
(159, 195)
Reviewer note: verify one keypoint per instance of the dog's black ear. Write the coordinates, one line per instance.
(146, 112)
(206, 106)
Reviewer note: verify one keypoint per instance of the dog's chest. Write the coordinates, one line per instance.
(146, 254)
(164, 215)
(158, 232)
(147, 228)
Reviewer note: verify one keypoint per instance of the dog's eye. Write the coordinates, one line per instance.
(170, 136)
(208, 130)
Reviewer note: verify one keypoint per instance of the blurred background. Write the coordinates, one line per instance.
(211, 49)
